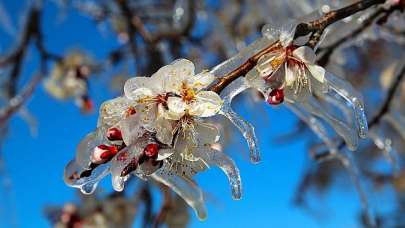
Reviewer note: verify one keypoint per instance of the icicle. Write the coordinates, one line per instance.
(315, 125)
(185, 188)
(346, 91)
(228, 166)
(350, 136)
(244, 127)
(87, 184)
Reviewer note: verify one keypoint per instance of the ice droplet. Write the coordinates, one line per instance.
(186, 189)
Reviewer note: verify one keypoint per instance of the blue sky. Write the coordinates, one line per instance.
(35, 163)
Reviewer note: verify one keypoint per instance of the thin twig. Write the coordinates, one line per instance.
(16, 102)
(320, 24)
(388, 100)
(328, 50)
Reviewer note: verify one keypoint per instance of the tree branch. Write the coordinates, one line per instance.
(320, 24)
(302, 29)
(328, 50)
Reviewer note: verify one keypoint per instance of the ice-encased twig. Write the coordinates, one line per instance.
(244, 127)
(315, 125)
(342, 129)
(87, 185)
(228, 166)
(229, 65)
(354, 98)
(348, 162)
(335, 100)
(186, 189)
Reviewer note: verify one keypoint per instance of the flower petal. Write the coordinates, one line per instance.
(177, 74)
(207, 103)
(305, 53)
(133, 85)
(131, 129)
(112, 111)
(164, 153)
(183, 66)
(176, 108)
(317, 72)
(164, 131)
(201, 80)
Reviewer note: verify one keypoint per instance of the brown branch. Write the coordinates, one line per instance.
(31, 32)
(302, 29)
(328, 50)
(320, 24)
(243, 69)
(388, 100)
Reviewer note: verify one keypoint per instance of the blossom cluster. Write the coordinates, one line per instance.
(160, 130)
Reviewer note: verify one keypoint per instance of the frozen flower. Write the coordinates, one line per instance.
(157, 130)
(288, 72)
(176, 90)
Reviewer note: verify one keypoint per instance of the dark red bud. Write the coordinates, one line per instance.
(276, 97)
(114, 134)
(151, 150)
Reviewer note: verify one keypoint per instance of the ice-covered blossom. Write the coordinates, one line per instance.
(289, 72)
(158, 131)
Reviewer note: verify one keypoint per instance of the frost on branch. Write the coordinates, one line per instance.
(158, 130)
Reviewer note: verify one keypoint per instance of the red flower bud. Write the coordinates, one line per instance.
(114, 134)
(151, 150)
(276, 97)
(103, 153)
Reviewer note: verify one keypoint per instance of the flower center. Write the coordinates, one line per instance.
(187, 94)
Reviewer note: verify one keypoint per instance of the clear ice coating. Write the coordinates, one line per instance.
(244, 127)
(217, 158)
(316, 126)
(354, 99)
(185, 188)
(87, 185)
